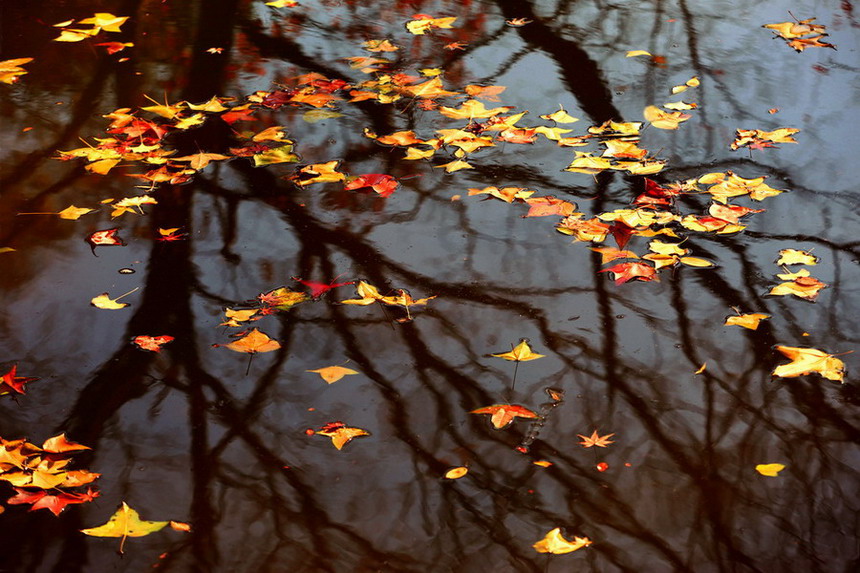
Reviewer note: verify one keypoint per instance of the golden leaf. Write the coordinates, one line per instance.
(553, 542)
(520, 353)
(770, 470)
(809, 360)
(253, 342)
(332, 374)
(750, 320)
(456, 473)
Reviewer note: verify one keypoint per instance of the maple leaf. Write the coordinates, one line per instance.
(549, 205)
(282, 298)
(554, 542)
(595, 440)
(11, 382)
(770, 470)
(105, 238)
(502, 415)
(455, 46)
(341, 434)
(53, 503)
(59, 444)
(106, 21)
(128, 205)
(456, 165)
(471, 109)
(560, 116)
(749, 321)
(730, 213)
(152, 343)
(273, 155)
(104, 301)
(489, 93)
(506, 194)
(804, 287)
(517, 22)
(432, 88)
(318, 173)
(319, 289)
(750, 137)
(252, 343)
(808, 360)
(125, 523)
(379, 46)
(332, 374)
(522, 352)
(800, 44)
(791, 30)
(170, 235)
(383, 184)
(609, 254)
(421, 23)
(795, 257)
(632, 271)
(11, 70)
(200, 160)
(664, 119)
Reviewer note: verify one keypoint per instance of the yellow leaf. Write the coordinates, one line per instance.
(802, 287)
(542, 463)
(701, 368)
(560, 116)
(809, 360)
(553, 542)
(106, 21)
(341, 435)
(470, 109)
(664, 119)
(10, 70)
(213, 105)
(282, 154)
(332, 374)
(73, 213)
(105, 302)
(282, 3)
(421, 25)
(770, 470)
(456, 473)
(318, 173)
(455, 166)
(520, 353)
(750, 320)
(662, 248)
(315, 115)
(253, 342)
(634, 53)
(70, 35)
(696, 262)
(125, 523)
(795, 257)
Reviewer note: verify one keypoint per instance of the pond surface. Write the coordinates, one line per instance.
(229, 442)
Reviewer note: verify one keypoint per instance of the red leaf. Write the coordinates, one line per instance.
(14, 383)
(105, 238)
(629, 271)
(382, 184)
(319, 289)
(53, 503)
(152, 343)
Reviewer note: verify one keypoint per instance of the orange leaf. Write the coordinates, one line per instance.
(595, 440)
(254, 342)
(504, 414)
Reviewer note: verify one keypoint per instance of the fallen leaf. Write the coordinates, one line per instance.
(542, 463)
(340, 433)
(554, 542)
(105, 302)
(595, 440)
(105, 238)
(423, 23)
(522, 352)
(808, 360)
(151, 343)
(383, 184)
(11, 382)
(517, 22)
(632, 271)
(795, 257)
(502, 415)
(701, 368)
(664, 119)
(125, 523)
(750, 320)
(804, 287)
(11, 70)
(332, 374)
(634, 53)
(770, 470)
(456, 473)
(253, 343)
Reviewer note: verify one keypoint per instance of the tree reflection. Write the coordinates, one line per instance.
(229, 451)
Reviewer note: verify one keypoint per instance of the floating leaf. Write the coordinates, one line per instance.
(341, 434)
(332, 374)
(554, 542)
(808, 360)
(770, 470)
(595, 440)
(750, 320)
(502, 415)
(125, 523)
(254, 342)
(152, 343)
(795, 257)
(522, 352)
(456, 473)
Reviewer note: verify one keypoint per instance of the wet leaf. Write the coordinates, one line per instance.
(804, 287)
(664, 119)
(383, 184)
(152, 343)
(332, 374)
(11, 70)
(11, 382)
(750, 320)
(125, 523)
(554, 542)
(795, 257)
(422, 23)
(341, 434)
(456, 473)
(253, 343)
(104, 301)
(595, 440)
(808, 360)
(502, 415)
(770, 470)
(522, 352)
(632, 271)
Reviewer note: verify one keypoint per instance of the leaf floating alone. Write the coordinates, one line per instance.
(795, 257)
(522, 352)
(750, 320)
(770, 470)
(252, 343)
(595, 440)
(340, 433)
(456, 473)
(152, 343)
(553, 542)
(125, 523)
(801, 34)
(422, 23)
(104, 301)
(808, 360)
(502, 415)
(383, 184)
(105, 238)
(332, 374)
(11, 382)
(634, 53)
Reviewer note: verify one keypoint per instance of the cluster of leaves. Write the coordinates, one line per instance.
(801, 34)
(41, 476)
(99, 22)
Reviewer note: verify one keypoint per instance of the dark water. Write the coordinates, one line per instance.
(186, 434)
